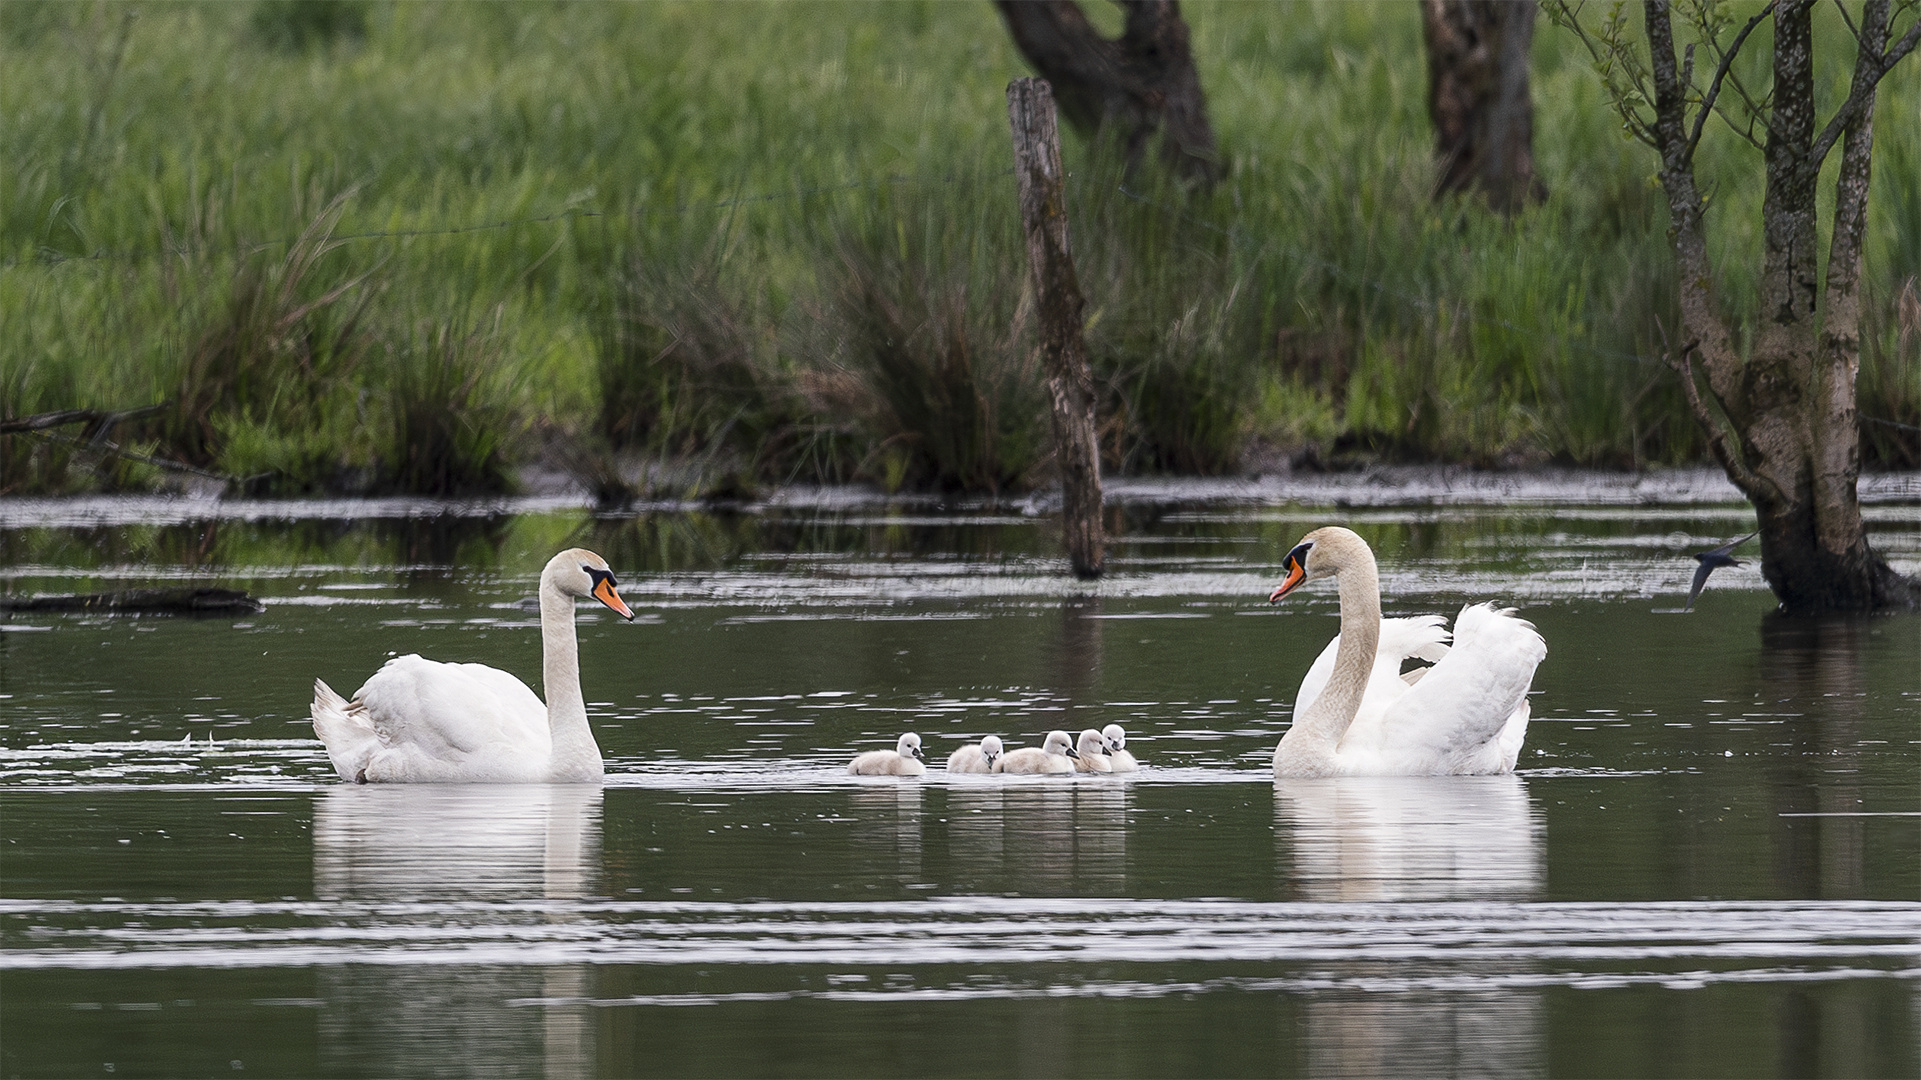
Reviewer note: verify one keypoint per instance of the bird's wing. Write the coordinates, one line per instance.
(1444, 721)
(1421, 637)
(1700, 578)
(1727, 549)
(448, 712)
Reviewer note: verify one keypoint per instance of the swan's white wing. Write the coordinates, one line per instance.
(1453, 720)
(1316, 678)
(1422, 637)
(453, 721)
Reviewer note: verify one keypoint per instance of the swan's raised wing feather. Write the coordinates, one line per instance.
(1420, 637)
(1454, 717)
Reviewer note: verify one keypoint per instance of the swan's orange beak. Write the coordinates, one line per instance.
(604, 592)
(1296, 564)
(1295, 575)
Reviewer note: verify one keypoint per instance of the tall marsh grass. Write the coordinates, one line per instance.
(725, 245)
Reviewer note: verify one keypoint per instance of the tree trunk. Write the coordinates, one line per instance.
(1057, 296)
(1478, 98)
(1786, 430)
(1126, 89)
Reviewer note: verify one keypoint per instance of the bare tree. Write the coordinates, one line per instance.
(1478, 98)
(1128, 88)
(1778, 406)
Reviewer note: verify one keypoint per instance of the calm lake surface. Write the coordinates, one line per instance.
(1708, 865)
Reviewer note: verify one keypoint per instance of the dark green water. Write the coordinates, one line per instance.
(1709, 864)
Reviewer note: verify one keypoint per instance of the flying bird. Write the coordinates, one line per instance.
(1713, 560)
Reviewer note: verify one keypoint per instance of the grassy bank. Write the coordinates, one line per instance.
(706, 247)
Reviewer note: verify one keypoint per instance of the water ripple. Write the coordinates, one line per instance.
(1471, 941)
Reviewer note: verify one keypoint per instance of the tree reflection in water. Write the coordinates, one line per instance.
(1442, 838)
(428, 843)
(1811, 677)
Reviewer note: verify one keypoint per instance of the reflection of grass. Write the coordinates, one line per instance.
(1317, 302)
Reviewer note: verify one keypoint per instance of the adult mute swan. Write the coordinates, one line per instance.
(1356, 715)
(1118, 756)
(419, 721)
(902, 760)
(976, 757)
(1055, 755)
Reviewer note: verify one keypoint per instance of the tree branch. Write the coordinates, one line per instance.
(1700, 319)
(1755, 485)
(1755, 109)
(1863, 93)
(1566, 15)
(98, 420)
(1851, 187)
(1852, 29)
(1720, 73)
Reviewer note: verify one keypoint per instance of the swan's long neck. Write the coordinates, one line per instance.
(1324, 721)
(576, 756)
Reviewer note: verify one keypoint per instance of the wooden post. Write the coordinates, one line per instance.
(1057, 297)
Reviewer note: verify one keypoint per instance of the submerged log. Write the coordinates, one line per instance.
(201, 601)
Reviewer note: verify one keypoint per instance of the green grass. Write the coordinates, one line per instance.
(699, 247)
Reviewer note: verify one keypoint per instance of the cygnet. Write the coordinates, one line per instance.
(1053, 756)
(1117, 754)
(902, 760)
(1090, 753)
(976, 757)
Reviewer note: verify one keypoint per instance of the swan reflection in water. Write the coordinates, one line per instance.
(1417, 838)
(887, 825)
(443, 842)
(1060, 837)
(1411, 837)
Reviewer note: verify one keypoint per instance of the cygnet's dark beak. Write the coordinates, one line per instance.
(1071, 752)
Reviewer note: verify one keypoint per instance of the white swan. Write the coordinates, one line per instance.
(420, 721)
(1090, 753)
(976, 757)
(1356, 715)
(1052, 756)
(902, 760)
(1118, 756)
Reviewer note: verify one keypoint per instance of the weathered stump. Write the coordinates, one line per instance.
(1478, 98)
(1129, 89)
(1058, 302)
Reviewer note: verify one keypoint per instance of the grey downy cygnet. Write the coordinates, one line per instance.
(903, 760)
(1090, 753)
(976, 757)
(1118, 755)
(1053, 756)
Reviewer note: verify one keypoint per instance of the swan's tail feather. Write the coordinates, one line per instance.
(343, 726)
